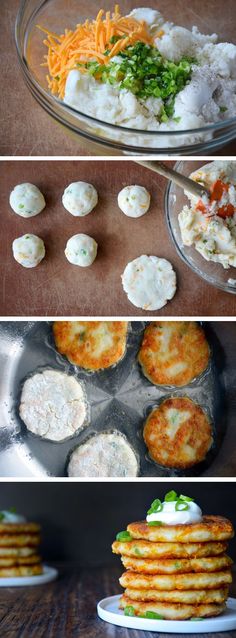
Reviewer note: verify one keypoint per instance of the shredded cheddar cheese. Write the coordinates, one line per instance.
(98, 40)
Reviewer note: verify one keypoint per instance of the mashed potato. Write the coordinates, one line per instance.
(213, 235)
(209, 96)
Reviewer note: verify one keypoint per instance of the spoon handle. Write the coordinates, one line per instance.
(184, 182)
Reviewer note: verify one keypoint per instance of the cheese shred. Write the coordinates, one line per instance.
(97, 40)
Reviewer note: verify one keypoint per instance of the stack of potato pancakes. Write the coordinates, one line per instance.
(18, 550)
(175, 572)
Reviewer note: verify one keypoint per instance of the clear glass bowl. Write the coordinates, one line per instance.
(58, 14)
(175, 199)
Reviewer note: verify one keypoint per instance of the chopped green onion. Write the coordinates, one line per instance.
(185, 498)
(155, 523)
(123, 536)
(142, 70)
(180, 506)
(129, 611)
(193, 619)
(171, 496)
(152, 614)
(156, 506)
(223, 109)
(21, 206)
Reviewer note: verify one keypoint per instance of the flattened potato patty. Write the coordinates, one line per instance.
(177, 433)
(19, 528)
(173, 566)
(19, 540)
(147, 549)
(211, 528)
(191, 581)
(23, 570)
(189, 597)
(20, 560)
(173, 352)
(93, 345)
(173, 611)
(12, 552)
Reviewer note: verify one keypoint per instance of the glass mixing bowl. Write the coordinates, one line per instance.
(175, 199)
(58, 14)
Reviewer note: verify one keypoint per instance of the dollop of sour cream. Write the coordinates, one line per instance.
(170, 516)
(12, 517)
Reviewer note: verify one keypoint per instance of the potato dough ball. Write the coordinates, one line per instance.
(134, 201)
(81, 250)
(79, 198)
(28, 250)
(26, 200)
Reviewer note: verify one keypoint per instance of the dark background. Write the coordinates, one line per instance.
(80, 520)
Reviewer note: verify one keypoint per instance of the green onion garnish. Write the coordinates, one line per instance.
(180, 506)
(156, 506)
(129, 611)
(155, 523)
(152, 614)
(123, 536)
(171, 496)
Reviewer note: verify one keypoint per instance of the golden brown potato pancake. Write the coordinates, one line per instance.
(173, 566)
(19, 540)
(210, 528)
(23, 570)
(173, 352)
(173, 611)
(12, 552)
(147, 549)
(93, 345)
(178, 433)
(210, 580)
(179, 596)
(19, 528)
(20, 560)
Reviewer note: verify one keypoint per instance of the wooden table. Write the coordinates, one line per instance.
(28, 129)
(67, 608)
(56, 287)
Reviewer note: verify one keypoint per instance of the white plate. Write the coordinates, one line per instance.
(108, 610)
(49, 574)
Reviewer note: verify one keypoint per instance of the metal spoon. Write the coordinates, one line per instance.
(184, 182)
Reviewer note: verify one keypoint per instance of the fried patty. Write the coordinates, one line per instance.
(173, 611)
(173, 352)
(210, 528)
(12, 552)
(93, 345)
(211, 580)
(19, 528)
(178, 433)
(173, 566)
(179, 596)
(147, 549)
(22, 570)
(20, 560)
(19, 540)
